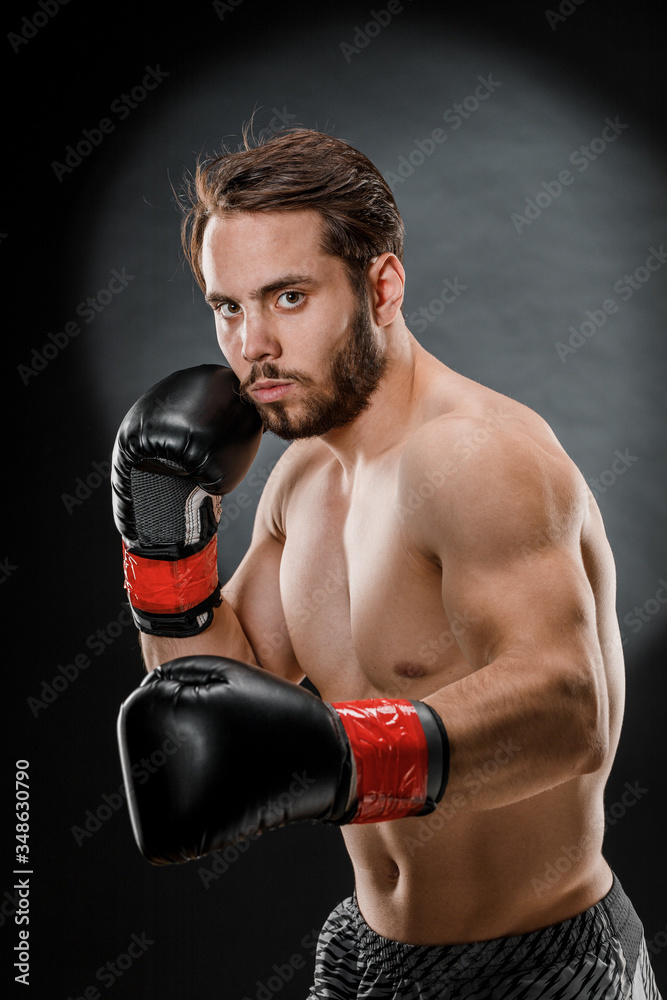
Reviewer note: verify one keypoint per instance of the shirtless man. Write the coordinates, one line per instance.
(425, 541)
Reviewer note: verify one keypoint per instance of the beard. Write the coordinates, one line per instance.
(354, 374)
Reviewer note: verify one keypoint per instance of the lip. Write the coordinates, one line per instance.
(268, 390)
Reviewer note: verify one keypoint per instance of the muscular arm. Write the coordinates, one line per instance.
(504, 530)
(224, 637)
(249, 625)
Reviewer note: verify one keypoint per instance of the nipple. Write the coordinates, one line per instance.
(407, 669)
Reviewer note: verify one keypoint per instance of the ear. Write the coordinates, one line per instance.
(387, 283)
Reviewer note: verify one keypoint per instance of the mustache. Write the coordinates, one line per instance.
(267, 370)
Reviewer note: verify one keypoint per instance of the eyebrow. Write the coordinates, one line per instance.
(272, 286)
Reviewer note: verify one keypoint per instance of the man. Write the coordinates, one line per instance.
(425, 548)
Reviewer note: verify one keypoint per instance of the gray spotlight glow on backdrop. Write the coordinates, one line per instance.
(534, 257)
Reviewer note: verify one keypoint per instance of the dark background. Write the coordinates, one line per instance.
(554, 86)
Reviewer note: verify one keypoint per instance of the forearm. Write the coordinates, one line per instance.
(224, 637)
(516, 731)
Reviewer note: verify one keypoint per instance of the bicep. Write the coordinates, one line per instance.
(528, 628)
(506, 532)
(535, 604)
(507, 538)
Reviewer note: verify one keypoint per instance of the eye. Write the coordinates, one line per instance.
(228, 309)
(291, 299)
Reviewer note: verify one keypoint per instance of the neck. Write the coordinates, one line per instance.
(391, 410)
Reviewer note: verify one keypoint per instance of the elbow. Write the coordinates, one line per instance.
(593, 752)
(588, 712)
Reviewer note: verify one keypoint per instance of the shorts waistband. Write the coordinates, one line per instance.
(561, 943)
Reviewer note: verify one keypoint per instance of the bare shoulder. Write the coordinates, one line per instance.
(491, 465)
(298, 463)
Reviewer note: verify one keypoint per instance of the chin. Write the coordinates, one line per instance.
(293, 428)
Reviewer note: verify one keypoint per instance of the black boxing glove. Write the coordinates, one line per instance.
(188, 441)
(236, 750)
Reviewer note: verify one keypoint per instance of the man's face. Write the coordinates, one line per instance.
(289, 323)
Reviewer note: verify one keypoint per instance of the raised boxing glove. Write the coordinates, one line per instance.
(249, 751)
(188, 441)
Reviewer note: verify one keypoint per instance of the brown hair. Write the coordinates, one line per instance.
(299, 169)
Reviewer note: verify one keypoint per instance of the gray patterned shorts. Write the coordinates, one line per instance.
(598, 954)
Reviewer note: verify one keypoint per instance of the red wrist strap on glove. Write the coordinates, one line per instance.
(393, 752)
(170, 587)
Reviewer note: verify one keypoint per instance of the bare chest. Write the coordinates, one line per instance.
(365, 616)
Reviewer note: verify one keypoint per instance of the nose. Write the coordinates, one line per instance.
(259, 342)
